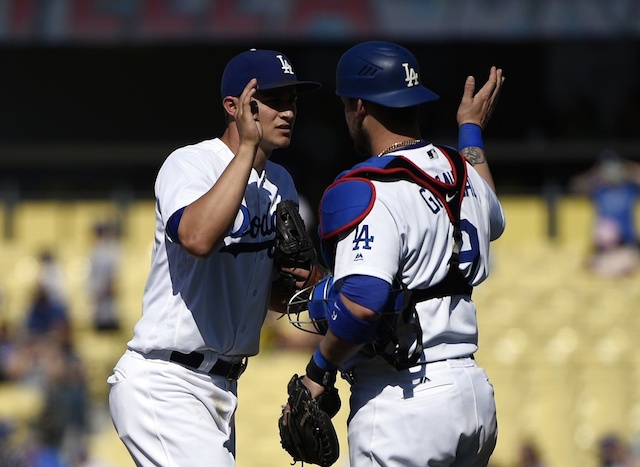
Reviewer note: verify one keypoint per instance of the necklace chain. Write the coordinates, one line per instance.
(400, 144)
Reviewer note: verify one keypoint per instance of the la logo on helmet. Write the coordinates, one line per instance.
(411, 76)
(286, 66)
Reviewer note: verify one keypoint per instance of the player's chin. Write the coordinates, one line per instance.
(282, 141)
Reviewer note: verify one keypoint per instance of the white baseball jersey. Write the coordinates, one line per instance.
(215, 306)
(409, 232)
(218, 303)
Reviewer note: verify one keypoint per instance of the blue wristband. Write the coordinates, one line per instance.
(322, 362)
(321, 371)
(470, 135)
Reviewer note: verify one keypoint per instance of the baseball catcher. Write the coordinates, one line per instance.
(294, 250)
(406, 234)
(306, 430)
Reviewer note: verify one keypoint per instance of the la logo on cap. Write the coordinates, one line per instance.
(286, 66)
(411, 75)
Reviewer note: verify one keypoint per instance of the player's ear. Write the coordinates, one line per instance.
(230, 105)
(361, 108)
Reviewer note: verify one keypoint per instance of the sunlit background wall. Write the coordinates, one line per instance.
(94, 94)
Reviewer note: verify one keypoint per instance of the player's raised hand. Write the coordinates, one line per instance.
(479, 107)
(247, 117)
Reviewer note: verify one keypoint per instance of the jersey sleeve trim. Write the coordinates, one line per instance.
(173, 224)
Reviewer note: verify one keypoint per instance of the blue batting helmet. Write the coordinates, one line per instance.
(381, 72)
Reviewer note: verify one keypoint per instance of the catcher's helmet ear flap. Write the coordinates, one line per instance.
(316, 300)
(382, 72)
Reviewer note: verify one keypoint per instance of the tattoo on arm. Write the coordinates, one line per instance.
(474, 155)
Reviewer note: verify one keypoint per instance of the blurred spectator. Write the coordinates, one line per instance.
(612, 451)
(613, 185)
(634, 451)
(8, 348)
(42, 357)
(58, 435)
(45, 314)
(42, 456)
(51, 277)
(63, 424)
(529, 456)
(103, 271)
(8, 451)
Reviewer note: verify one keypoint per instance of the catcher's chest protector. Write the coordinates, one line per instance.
(348, 201)
(352, 195)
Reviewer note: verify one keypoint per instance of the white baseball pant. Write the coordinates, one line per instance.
(168, 415)
(436, 415)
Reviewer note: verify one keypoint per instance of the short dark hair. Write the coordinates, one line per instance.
(394, 118)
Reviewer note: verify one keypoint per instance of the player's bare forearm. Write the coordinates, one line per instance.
(476, 157)
(338, 350)
(206, 221)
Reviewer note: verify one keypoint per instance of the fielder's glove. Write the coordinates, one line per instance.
(294, 247)
(306, 431)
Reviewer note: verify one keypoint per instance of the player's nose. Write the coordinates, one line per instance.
(287, 114)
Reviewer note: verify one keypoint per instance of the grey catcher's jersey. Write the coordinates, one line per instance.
(218, 303)
(408, 231)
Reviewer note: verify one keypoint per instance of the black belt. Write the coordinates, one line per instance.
(193, 361)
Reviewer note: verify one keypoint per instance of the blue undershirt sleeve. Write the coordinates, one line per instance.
(173, 224)
(367, 291)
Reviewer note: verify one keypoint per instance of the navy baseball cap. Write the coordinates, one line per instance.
(272, 69)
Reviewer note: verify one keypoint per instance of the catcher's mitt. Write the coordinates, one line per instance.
(294, 247)
(306, 431)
